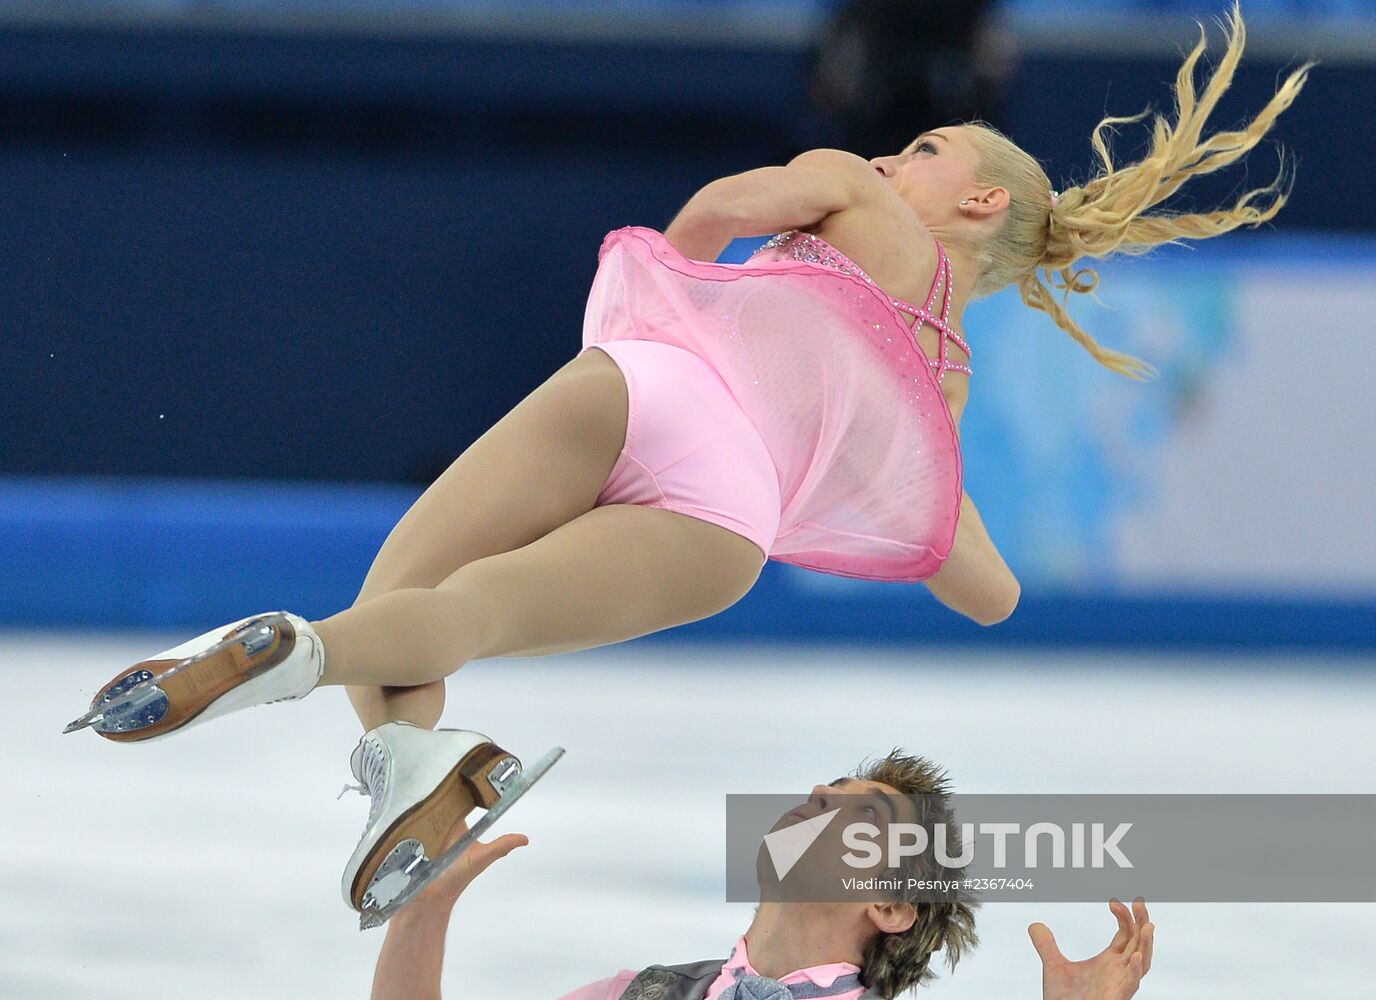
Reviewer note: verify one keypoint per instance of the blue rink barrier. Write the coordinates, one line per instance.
(147, 553)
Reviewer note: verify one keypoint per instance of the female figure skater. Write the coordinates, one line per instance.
(803, 406)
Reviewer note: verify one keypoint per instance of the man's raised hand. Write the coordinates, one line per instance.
(479, 856)
(1113, 974)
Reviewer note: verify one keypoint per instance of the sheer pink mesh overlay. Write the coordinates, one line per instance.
(827, 370)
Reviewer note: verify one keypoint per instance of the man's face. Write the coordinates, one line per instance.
(859, 800)
(818, 874)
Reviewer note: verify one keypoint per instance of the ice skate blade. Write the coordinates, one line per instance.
(147, 708)
(255, 636)
(423, 873)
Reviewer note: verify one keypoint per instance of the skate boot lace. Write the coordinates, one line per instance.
(374, 778)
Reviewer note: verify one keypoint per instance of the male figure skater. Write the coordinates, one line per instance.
(857, 950)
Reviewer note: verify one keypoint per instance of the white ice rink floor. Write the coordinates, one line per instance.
(208, 866)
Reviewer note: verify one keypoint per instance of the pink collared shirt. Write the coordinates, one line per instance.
(820, 975)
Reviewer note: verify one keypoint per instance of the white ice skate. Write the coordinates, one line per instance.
(255, 661)
(422, 783)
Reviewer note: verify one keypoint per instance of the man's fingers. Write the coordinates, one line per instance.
(1125, 927)
(1139, 913)
(1045, 943)
(508, 842)
(1139, 910)
(485, 853)
(1136, 966)
(1135, 939)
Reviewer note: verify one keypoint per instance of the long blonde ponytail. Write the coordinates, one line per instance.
(1106, 215)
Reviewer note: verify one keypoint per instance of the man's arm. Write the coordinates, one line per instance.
(412, 956)
(769, 200)
(412, 959)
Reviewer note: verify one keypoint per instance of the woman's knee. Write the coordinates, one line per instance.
(371, 591)
(395, 575)
(421, 705)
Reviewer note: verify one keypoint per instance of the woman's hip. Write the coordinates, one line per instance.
(689, 446)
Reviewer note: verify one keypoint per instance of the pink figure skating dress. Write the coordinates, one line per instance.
(785, 399)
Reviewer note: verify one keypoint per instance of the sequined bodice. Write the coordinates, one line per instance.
(807, 247)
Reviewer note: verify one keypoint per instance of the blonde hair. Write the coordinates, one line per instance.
(1106, 214)
(897, 962)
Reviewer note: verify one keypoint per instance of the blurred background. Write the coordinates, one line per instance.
(268, 267)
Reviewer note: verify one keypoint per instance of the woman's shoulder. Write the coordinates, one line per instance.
(885, 239)
(877, 208)
(877, 229)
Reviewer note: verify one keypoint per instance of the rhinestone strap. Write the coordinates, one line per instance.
(813, 249)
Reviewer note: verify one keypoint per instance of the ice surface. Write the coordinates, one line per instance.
(226, 842)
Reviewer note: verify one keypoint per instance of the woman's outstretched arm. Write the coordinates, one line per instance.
(974, 580)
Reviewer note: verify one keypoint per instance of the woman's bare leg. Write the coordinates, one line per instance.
(539, 467)
(613, 573)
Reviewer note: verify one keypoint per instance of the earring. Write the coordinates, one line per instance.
(965, 201)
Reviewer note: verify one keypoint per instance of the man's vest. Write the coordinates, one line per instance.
(687, 982)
